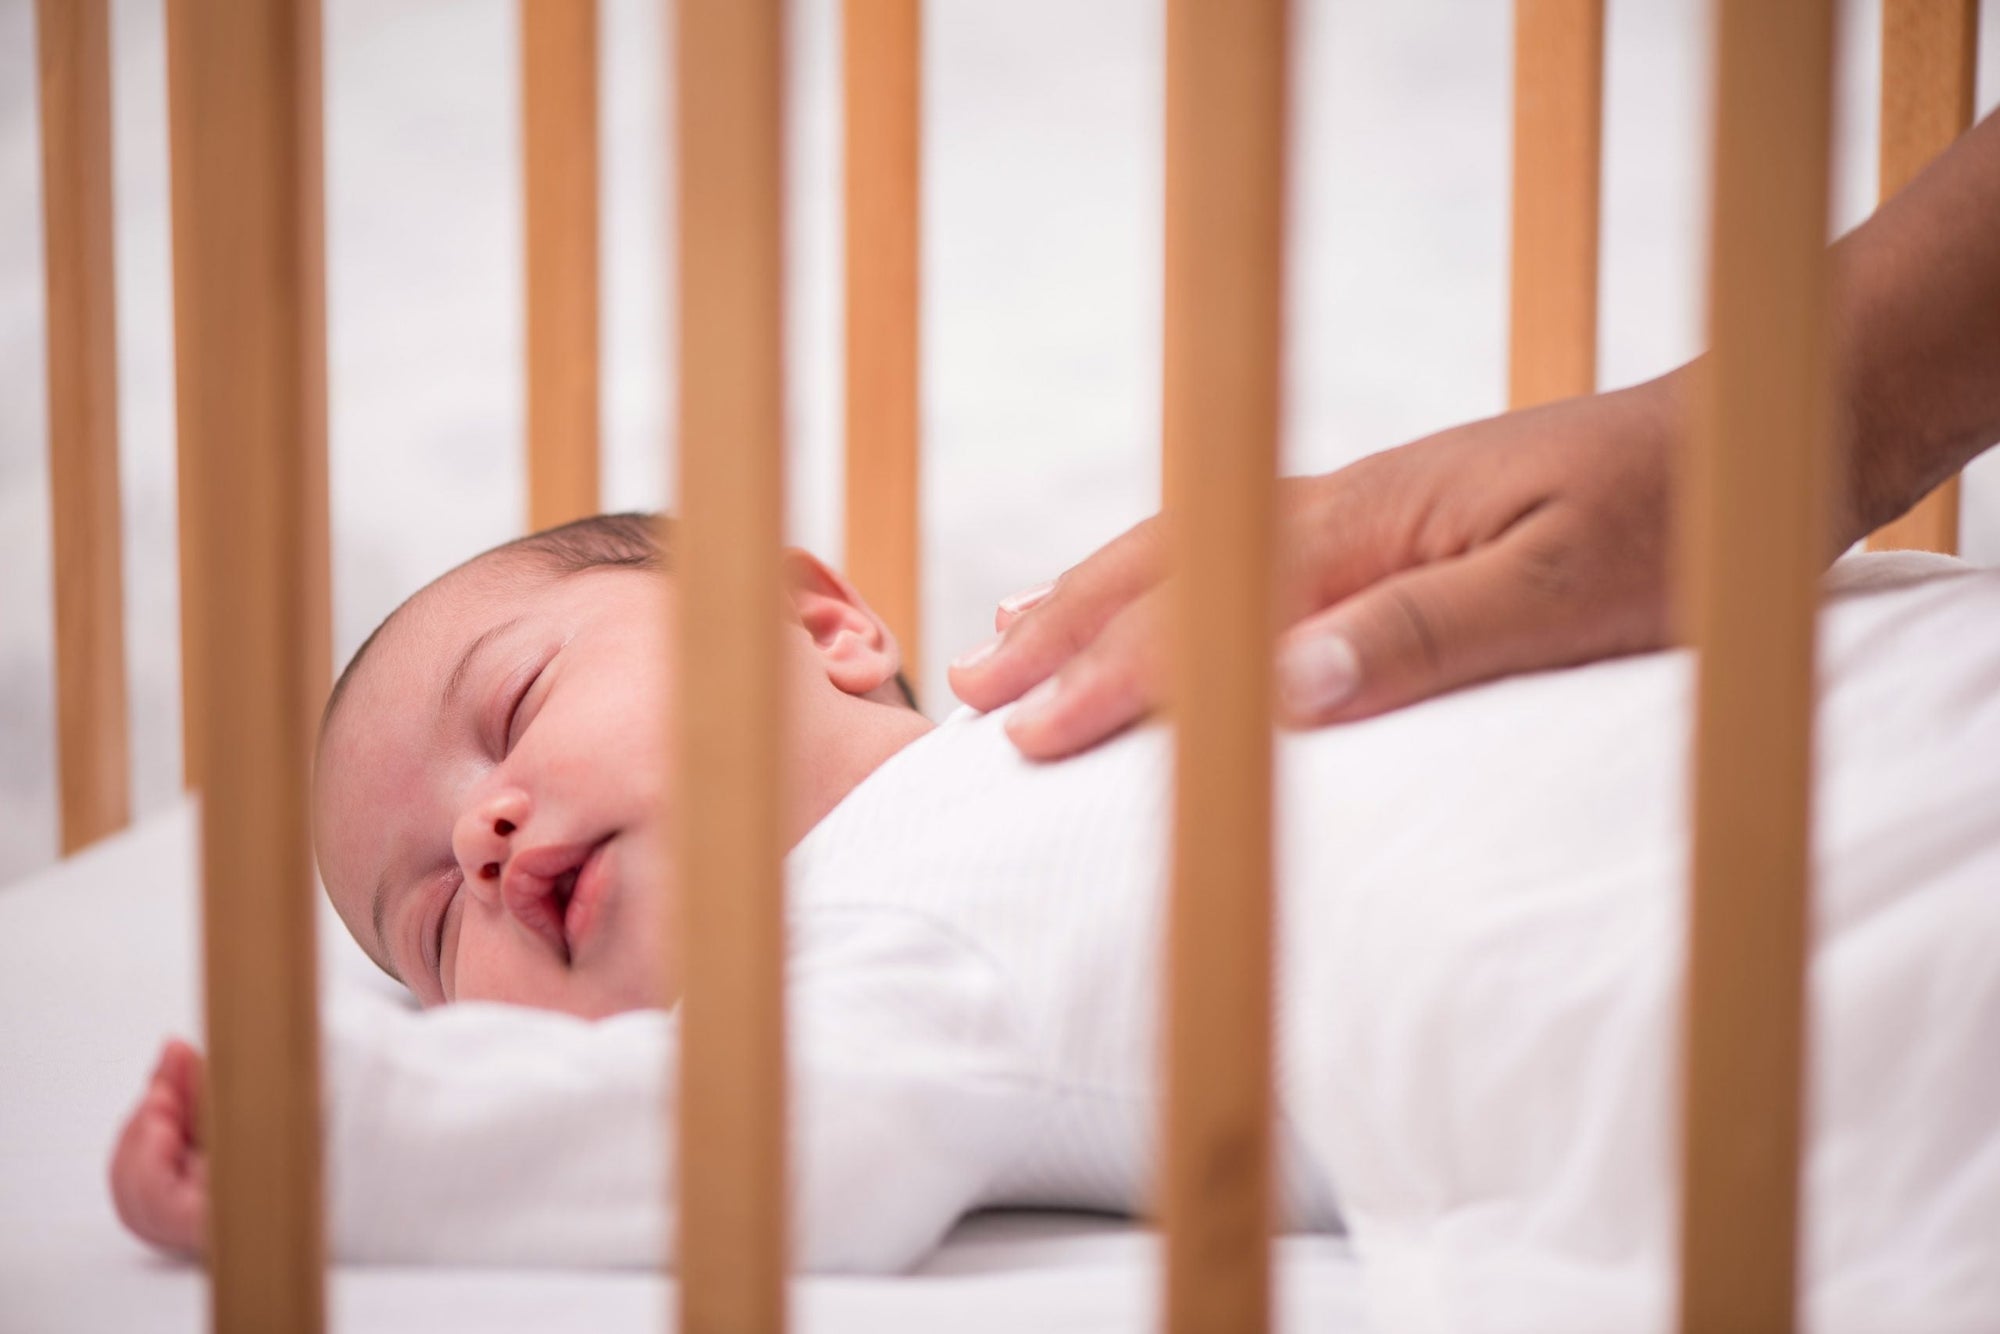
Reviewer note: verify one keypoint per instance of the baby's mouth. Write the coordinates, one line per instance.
(555, 891)
(584, 895)
(560, 895)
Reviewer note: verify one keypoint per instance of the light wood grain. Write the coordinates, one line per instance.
(243, 104)
(1225, 192)
(1558, 115)
(187, 370)
(1755, 510)
(1929, 49)
(560, 181)
(882, 52)
(727, 822)
(315, 587)
(92, 756)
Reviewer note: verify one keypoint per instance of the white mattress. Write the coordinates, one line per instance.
(97, 963)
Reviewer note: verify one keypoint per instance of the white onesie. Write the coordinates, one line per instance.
(973, 963)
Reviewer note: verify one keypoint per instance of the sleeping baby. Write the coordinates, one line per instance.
(972, 937)
(1477, 950)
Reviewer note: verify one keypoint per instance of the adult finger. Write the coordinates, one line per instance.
(1045, 633)
(1109, 685)
(1437, 627)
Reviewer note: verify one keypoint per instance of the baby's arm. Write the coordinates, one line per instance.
(481, 1134)
(484, 1133)
(487, 1134)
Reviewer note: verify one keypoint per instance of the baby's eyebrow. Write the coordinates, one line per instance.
(454, 684)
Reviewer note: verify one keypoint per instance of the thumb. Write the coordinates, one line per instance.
(1419, 633)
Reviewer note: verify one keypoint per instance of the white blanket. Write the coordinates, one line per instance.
(1504, 999)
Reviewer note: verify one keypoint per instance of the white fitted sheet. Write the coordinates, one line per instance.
(97, 964)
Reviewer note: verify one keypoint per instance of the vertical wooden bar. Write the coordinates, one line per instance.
(560, 179)
(732, 1085)
(1558, 137)
(315, 595)
(187, 349)
(1225, 205)
(246, 164)
(1755, 514)
(1929, 57)
(882, 51)
(74, 38)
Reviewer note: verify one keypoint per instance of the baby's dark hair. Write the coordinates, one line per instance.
(629, 541)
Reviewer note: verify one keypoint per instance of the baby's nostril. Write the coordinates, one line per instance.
(490, 871)
(503, 827)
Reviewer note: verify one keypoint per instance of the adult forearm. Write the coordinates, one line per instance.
(1916, 327)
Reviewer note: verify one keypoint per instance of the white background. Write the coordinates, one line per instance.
(1041, 307)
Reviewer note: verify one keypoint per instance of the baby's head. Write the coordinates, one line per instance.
(492, 798)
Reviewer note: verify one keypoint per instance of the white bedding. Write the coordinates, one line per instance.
(97, 963)
(1501, 986)
(1500, 952)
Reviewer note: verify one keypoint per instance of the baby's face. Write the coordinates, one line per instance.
(493, 788)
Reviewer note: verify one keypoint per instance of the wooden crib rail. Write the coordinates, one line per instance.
(882, 82)
(730, 84)
(249, 326)
(245, 107)
(1558, 137)
(1225, 204)
(559, 180)
(1754, 521)
(1929, 55)
(74, 40)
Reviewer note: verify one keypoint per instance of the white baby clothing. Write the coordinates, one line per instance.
(973, 958)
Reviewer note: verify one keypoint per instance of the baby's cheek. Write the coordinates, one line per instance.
(499, 963)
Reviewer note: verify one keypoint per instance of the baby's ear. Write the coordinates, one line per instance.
(857, 650)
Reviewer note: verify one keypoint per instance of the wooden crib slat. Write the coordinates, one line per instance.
(74, 38)
(882, 54)
(1558, 119)
(732, 1085)
(1225, 193)
(1754, 524)
(560, 181)
(243, 103)
(187, 349)
(1929, 51)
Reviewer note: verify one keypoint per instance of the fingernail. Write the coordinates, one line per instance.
(1035, 703)
(973, 657)
(1317, 674)
(1016, 603)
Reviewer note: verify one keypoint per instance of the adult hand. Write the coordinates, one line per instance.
(159, 1173)
(1539, 538)
(1531, 540)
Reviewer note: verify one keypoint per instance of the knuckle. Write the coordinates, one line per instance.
(1055, 636)
(1420, 631)
(1548, 572)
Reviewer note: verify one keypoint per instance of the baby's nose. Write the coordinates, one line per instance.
(482, 839)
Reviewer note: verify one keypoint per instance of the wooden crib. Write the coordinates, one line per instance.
(245, 103)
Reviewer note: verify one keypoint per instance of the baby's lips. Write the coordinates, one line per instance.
(551, 861)
(528, 888)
